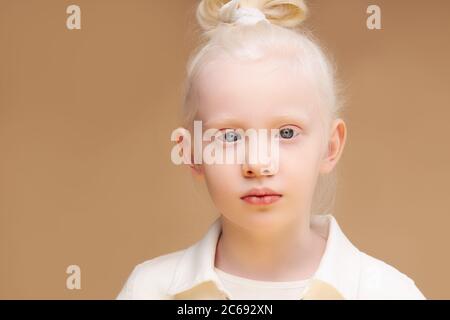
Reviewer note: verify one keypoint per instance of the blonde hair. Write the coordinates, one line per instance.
(279, 34)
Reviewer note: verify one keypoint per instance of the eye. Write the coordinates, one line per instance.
(229, 136)
(288, 132)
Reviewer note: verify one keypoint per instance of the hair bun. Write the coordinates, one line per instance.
(285, 13)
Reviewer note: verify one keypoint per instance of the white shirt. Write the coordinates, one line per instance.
(343, 272)
(250, 289)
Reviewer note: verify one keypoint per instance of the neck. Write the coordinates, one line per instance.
(291, 253)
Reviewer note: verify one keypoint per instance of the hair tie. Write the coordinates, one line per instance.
(230, 13)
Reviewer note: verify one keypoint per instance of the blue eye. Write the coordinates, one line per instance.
(288, 133)
(230, 136)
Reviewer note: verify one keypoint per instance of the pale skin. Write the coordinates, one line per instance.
(270, 242)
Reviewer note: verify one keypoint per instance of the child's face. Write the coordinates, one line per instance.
(257, 95)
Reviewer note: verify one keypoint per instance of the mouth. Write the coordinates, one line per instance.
(263, 196)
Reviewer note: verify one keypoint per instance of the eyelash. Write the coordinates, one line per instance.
(283, 127)
(296, 131)
(225, 132)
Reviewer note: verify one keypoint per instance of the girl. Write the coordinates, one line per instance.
(274, 237)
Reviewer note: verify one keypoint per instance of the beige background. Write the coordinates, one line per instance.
(85, 123)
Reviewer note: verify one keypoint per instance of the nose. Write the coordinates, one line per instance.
(253, 166)
(256, 170)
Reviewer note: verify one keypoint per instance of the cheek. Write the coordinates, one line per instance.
(299, 162)
(222, 180)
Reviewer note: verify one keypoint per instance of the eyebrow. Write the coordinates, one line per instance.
(223, 121)
(296, 118)
(285, 118)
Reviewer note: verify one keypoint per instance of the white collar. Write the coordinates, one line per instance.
(339, 266)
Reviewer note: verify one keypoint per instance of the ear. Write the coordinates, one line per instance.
(183, 138)
(197, 171)
(335, 147)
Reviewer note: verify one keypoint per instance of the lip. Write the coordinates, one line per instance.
(261, 196)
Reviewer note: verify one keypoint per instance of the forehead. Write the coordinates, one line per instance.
(254, 91)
